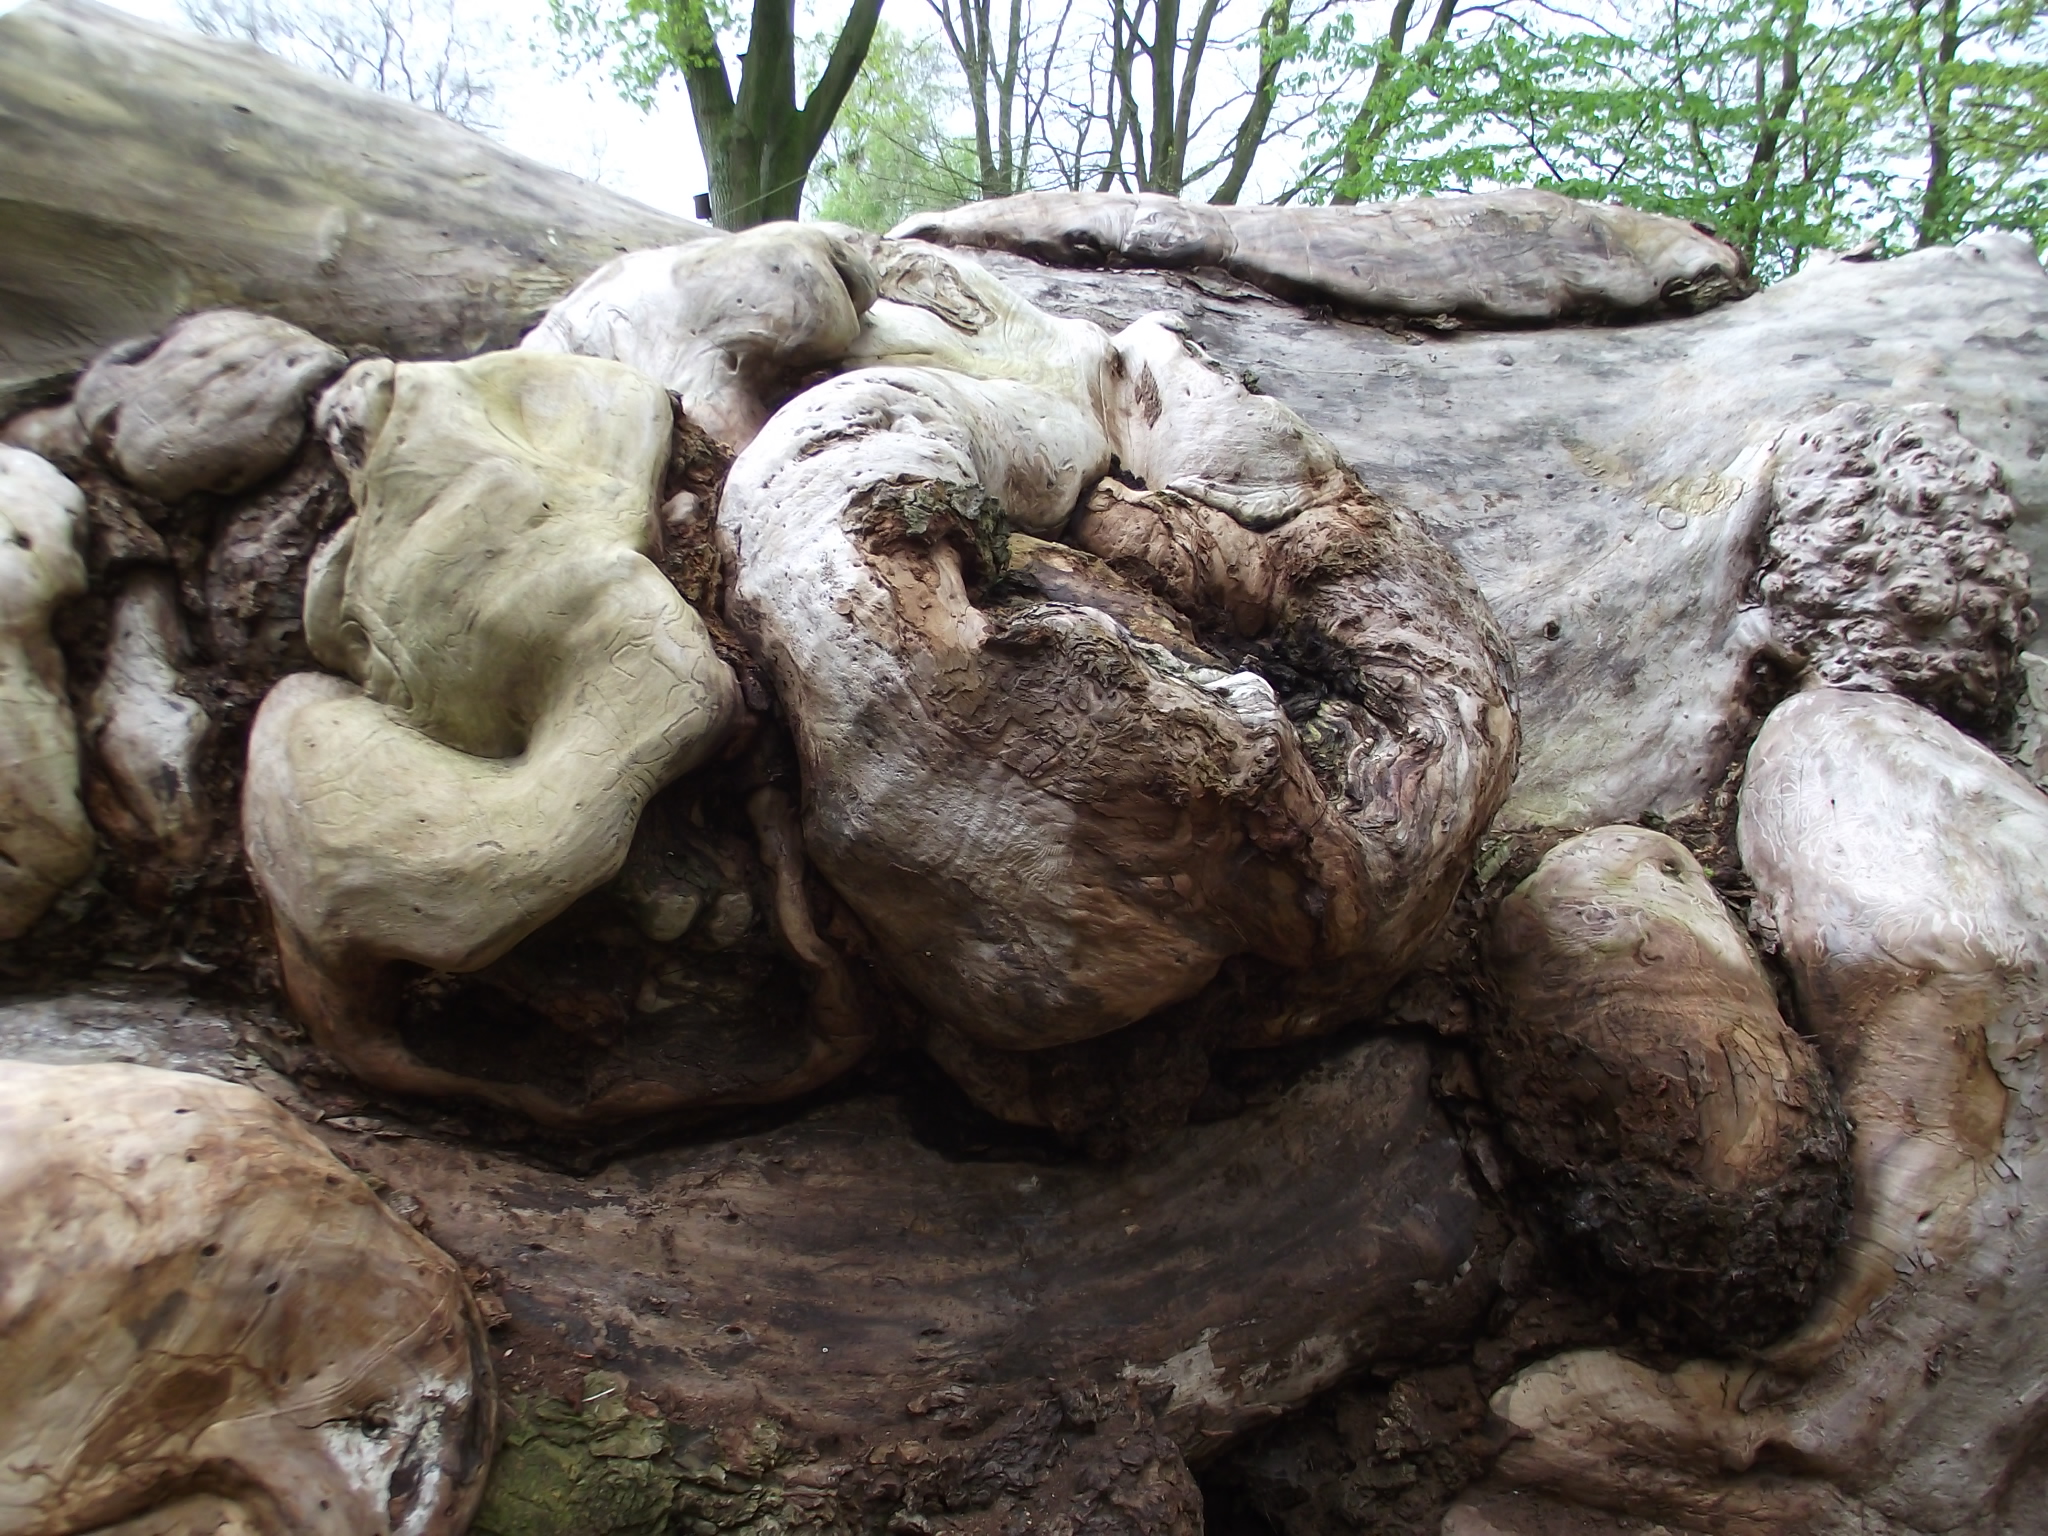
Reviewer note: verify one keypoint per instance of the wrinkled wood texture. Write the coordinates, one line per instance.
(1607, 489)
(876, 1329)
(891, 1310)
(203, 1306)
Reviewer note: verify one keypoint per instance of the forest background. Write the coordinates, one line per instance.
(1787, 126)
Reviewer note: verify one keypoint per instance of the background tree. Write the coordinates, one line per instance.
(889, 153)
(420, 51)
(1784, 129)
(1007, 79)
(1971, 106)
(758, 140)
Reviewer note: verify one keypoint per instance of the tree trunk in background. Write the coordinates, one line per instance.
(1252, 132)
(758, 143)
(1937, 219)
(1383, 104)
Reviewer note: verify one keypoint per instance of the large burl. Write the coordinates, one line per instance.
(519, 678)
(208, 1325)
(1256, 712)
(1639, 1062)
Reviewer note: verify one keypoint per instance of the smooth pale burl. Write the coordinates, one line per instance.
(46, 842)
(934, 310)
(214, 404)
(1904, 869)
(147, 735)
(207, 1323)
(519, 679)
(1679, 1126)
(1056, 809)
(731, 324)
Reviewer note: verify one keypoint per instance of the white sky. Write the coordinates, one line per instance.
(580, 125)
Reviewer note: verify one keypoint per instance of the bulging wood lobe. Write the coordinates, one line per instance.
(1684, 1133)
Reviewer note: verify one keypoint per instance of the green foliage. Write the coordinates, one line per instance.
(1900, 121)
(643, 43)
(888, 154)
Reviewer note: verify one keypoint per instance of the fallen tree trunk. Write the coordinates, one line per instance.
(865, 1319)
(146, 173)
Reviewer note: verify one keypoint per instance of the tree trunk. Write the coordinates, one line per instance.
(1251, 132)
(1937, 214)
(221, 176)
(1383, 105)
(881, 1307)
(759, 143)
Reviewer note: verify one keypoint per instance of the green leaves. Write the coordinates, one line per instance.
(889, 154)
(1786, 131)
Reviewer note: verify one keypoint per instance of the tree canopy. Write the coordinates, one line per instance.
(1787, 126)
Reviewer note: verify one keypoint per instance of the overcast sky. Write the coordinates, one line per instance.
(578, 123)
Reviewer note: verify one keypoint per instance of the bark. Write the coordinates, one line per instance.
(1901, 866)
(894, 1328)
(1251, 133)
(729, 326)
(510, 655)
(222, 177)
(47, 840)
(901, 1303)
(1936, 89)
(217, 405)
(1182, 824)
(1689, 1138)
(1505, 443)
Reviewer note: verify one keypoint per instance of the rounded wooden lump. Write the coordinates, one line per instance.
(1639, 1061)
(45, 840)
(731, 325)
(1057, 804)
(214, 404)
(521, 678)
(1887, 563)
(1905, 869)
(206, 1322)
